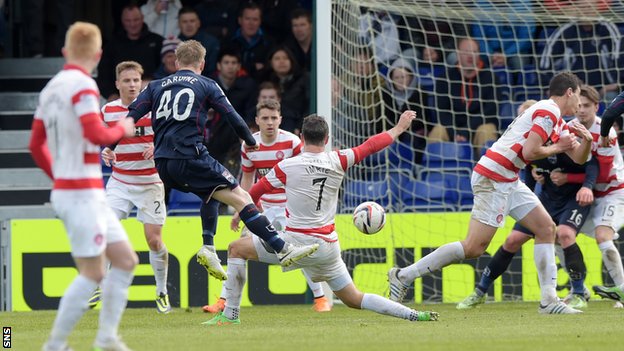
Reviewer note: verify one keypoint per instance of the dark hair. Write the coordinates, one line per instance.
(301, 12)
(249, 6)
(187, 9)
(295, 70)
(229, 50)
(590, 93)
(269, 85)
(560, 83)
(315, 130)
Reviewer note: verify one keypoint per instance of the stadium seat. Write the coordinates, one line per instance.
(448, 155)
(431, 195)
(457, 184)
(358, 191)
(181, 203)
(426, 81)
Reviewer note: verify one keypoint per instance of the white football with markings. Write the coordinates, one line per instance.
(369, 217)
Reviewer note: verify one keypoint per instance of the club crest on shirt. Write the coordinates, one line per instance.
(227, 175)
(279, 155)
(98, 239)
(499, 218)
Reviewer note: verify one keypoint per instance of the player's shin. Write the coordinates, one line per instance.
(546, 271)
(237, 276)
(209, 213)
(382, 305)
(114, 300)
(612, 260)
(260, 226)
(440, 258)
(576, 268)
(497, 266)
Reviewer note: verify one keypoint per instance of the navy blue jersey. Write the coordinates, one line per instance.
(179, 105)
(557, 196)
(613, 111)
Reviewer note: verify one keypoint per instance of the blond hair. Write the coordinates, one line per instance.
(190, 53)
(269, 105)
(83, 41)
(525, 105)
(126, 65)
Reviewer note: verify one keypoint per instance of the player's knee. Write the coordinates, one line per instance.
(474, 249)
(566, 237)
(234, 250)
(154, 242)
(547, 232)
(513, 243)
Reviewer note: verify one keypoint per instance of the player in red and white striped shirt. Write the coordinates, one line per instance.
(135, 181)
(537, 133)
(312, 181)
(274, 145)
(66, 134)
(606, 216)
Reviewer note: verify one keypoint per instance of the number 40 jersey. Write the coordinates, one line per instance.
(179, 105)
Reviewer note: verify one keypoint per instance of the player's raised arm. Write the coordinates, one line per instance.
(381, 141)
(613, 111)
(142, 105)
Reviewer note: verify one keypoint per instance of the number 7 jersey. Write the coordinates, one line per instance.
(312, 182)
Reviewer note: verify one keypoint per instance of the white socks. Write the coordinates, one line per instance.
(438, 259)
(546, 271)
(73, 305)
(233, 286)
(613, 261)
(160, 263)
(317, 288)
(114, 299)
(382, 305)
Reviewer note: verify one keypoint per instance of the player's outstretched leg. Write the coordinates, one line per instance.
(614, 293)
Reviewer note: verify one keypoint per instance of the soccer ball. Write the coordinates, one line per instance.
(369, 217)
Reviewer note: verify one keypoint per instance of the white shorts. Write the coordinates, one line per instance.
(89, 222)
(149, 199)
(325, 264)
(493, 200)
(606, 211)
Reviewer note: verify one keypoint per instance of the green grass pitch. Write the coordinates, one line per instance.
(494, 326)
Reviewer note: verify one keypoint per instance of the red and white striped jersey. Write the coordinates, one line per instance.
(503, 160)
(610, 162)
(131, 167)
(312, 182)
(262, 160)
(69, 96)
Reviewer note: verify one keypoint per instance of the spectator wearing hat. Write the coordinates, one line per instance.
(189, 23)
(167, 57)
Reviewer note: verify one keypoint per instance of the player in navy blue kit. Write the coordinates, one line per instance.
(179, 105)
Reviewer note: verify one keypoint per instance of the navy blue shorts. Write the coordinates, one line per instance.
(201, 176)
(572, 215)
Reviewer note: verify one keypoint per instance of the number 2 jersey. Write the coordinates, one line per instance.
(179, 104)
(130, 166)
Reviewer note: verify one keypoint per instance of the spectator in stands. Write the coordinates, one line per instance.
(590, 50)
(274, 15)
(402, 94)
(218, 17)
(505, 41)
(134, 43)
(379, 29)
(300, 43)
(364, 84)
(266, 91)
(190, 25)
(161, 16)
(437, 35)
(168, 58)
(251, 40)
(294, 86)
(239, 88)
(467, 99)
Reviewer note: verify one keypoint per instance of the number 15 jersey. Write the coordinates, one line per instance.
(179, 105)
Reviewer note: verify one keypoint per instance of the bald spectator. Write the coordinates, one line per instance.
(300, 43)
(251, 40)
(134, 43)
(189, 23)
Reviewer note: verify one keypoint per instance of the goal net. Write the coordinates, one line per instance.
(465, 67)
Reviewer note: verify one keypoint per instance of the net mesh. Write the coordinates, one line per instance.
(389, 56)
